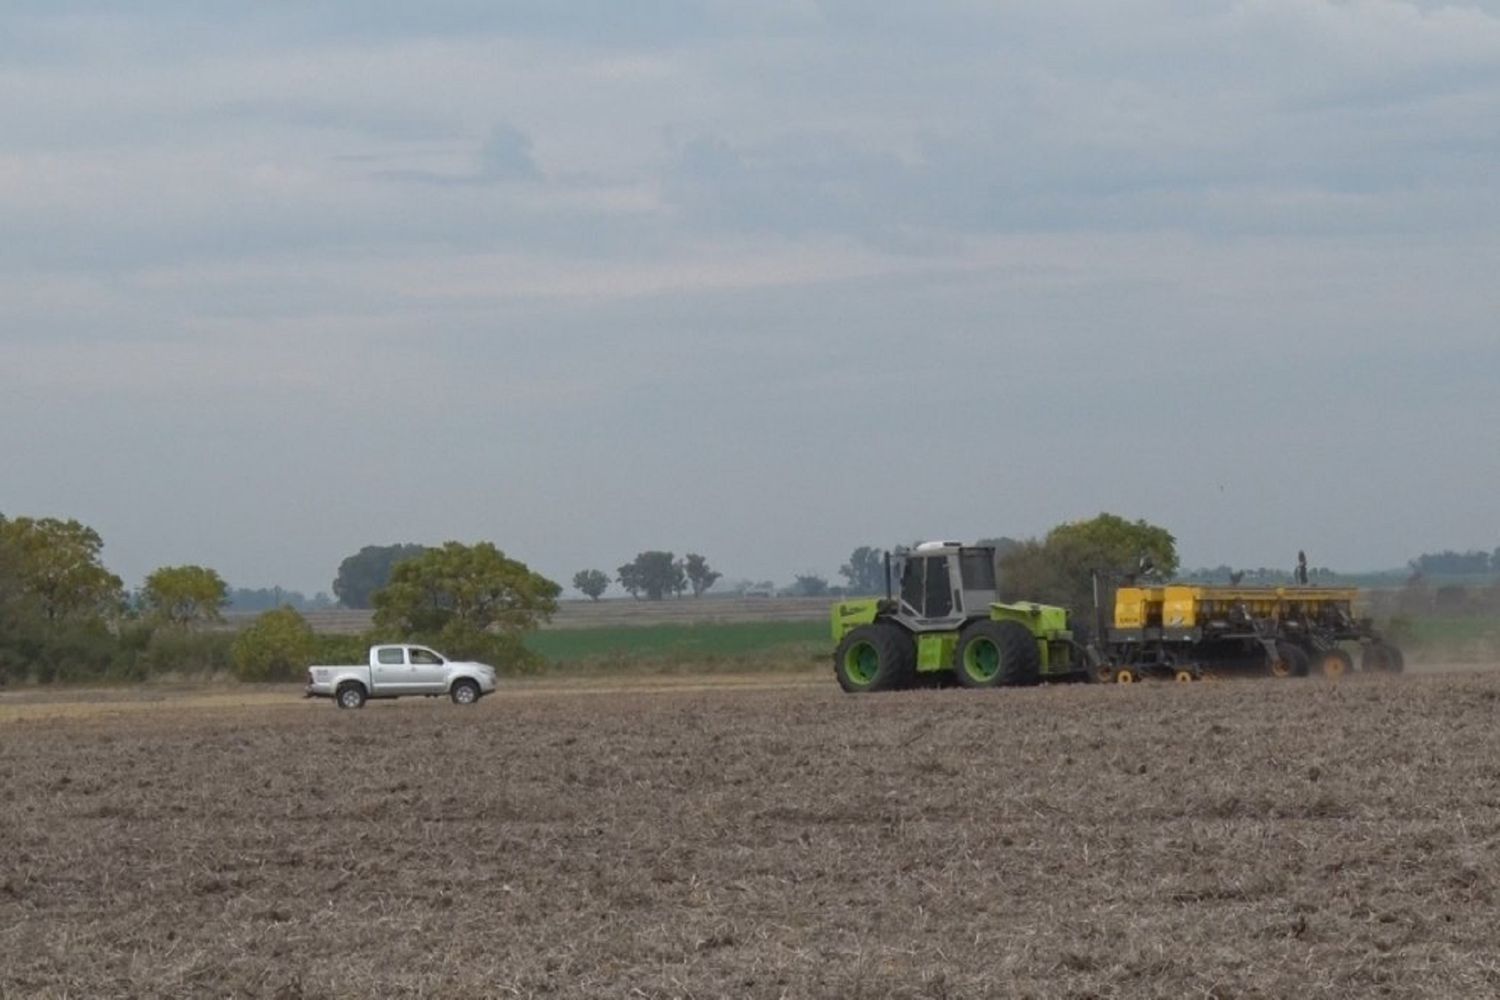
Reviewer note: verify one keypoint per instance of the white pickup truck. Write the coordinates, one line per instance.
(399, 670)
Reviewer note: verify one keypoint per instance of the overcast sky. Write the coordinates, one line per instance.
(762, 279)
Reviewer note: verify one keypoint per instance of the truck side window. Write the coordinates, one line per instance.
(390, 655)
(425, 656)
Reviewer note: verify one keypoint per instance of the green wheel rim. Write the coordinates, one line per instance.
(982, 660)
(862, 664)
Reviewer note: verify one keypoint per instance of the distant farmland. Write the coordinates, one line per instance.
(609, 614)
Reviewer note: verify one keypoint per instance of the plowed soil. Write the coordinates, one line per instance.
(1235, 839)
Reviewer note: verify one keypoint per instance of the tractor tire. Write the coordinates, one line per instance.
(997, 654)
(1397, 658)
(1290, 661)
(1334, 663)
(878, 657)
(1382, 657)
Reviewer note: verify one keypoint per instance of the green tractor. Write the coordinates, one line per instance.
(946, 622)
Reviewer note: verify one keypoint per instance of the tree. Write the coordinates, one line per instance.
(698, 573)
(865, 571)
(654, 574)
(58, 570)
(1451, 563)
(365, 572)
(464, 590)
(277, 646)
(1003, 546)
(185, 595)
(591, 583)
(809, 585)
(1059, 569)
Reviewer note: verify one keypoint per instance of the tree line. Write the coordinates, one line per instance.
(64, 616)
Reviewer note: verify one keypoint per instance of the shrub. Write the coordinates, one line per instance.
(277, 646)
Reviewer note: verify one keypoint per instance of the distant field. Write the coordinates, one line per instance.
(609, 613)
(769, 644)
(1458, 639)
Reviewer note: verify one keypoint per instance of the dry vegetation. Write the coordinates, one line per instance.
(1235, 839)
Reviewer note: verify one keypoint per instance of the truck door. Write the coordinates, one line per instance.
(429, 671)
(389, 671)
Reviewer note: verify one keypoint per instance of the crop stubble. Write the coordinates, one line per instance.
(1234, 839)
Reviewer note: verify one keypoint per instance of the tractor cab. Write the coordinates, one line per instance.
(943, 584)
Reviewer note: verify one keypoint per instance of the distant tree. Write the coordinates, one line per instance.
(1451, 563)
(809, 585)
(865, 570)
(653, 574)
(1495, 561)
(464, 591)
(1003, 545)
(591, 583)
(10, 571)
(369, 569)
(184, 595)
(699, 576)
(277, 646)
(58, 571)
(1059, 569)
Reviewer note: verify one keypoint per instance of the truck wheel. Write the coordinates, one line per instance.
(877, 657)
(1335, 663)
(351, 695)
(992, 654)
(464, 692)
(1289, 661)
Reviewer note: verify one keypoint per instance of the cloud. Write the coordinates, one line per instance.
(631, 243)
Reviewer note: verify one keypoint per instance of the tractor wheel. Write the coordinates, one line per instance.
(1335, 663)
(1125, 675)
(1382, 657)
(1184, 676)
(877, 657)
(1397, 659)
(996, 654)
(1290, 661)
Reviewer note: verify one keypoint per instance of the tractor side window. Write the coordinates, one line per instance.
(911, 583)
(939, 595)
(978, 569)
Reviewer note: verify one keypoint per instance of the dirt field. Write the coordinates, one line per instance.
(760, 838)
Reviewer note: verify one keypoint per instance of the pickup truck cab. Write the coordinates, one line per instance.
(398, 670)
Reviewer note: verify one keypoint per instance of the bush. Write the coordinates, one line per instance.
(176, 651)
(277, 646)
(340, 649)
(81, 651)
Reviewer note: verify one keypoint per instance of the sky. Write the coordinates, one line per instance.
(762, 280)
